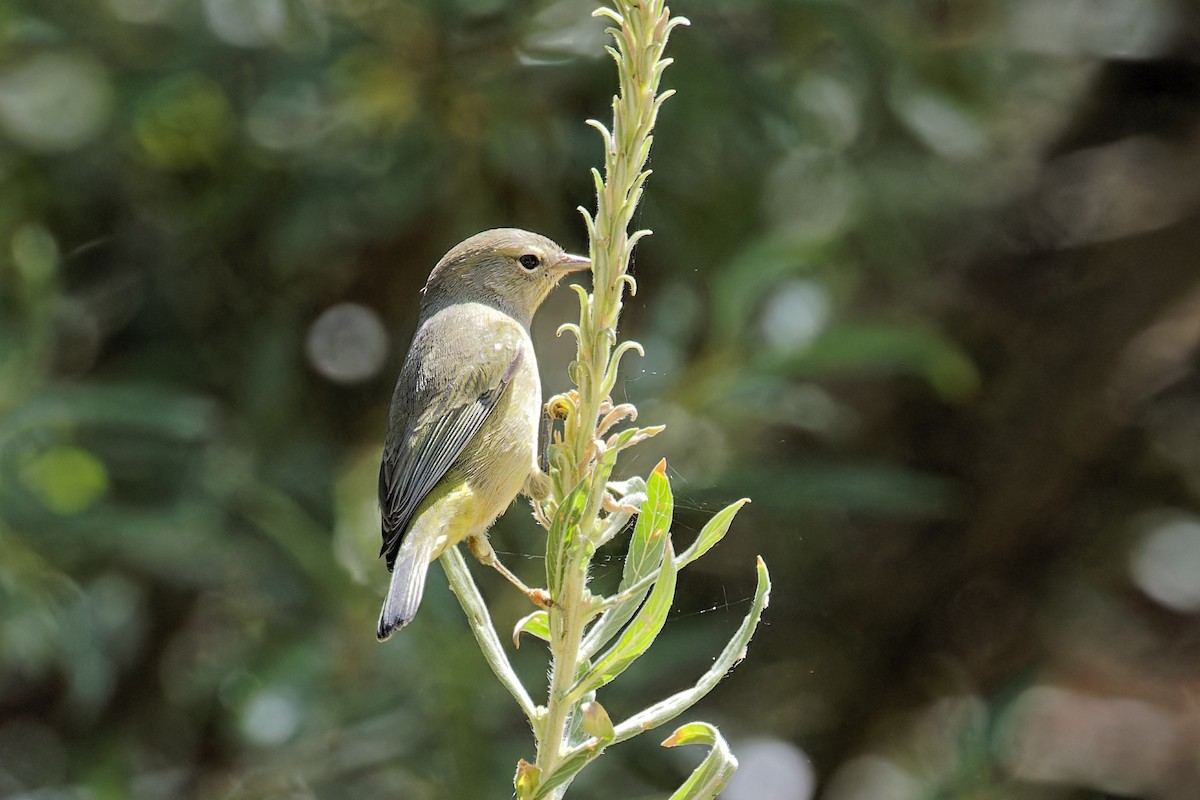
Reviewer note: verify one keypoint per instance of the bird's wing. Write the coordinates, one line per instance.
(450, 414)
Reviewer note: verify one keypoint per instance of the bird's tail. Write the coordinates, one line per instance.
(407, 586)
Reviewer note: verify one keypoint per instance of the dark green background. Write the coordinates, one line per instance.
(923, 285)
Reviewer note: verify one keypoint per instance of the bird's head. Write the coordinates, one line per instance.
(508, 268)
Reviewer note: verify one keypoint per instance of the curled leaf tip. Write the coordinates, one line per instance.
(661, 469)
(596, 721)
(604, 11)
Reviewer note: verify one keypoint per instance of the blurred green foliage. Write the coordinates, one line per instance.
(922, 285)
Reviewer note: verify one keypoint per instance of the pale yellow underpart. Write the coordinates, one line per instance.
(450, 513)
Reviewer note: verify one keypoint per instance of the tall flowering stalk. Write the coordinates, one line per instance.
(592, 639)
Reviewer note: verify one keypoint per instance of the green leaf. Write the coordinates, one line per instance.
(735, 650)
(464, 588)
(535, 624)
(712, 532)
(651, 533)
(709, 779)
(638, 635)
(645, 554)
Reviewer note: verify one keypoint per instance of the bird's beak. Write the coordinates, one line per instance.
(569, 263)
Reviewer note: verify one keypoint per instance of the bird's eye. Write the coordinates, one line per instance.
(529, 261)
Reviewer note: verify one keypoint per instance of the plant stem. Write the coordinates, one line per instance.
(641, 29)
(566, 633)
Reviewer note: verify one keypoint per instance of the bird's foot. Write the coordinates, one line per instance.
(482, 550)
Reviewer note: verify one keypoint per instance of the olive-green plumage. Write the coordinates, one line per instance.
(463, 424)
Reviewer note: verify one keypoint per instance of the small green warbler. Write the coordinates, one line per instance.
(462, 434)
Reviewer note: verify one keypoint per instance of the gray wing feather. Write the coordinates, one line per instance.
(413, 467)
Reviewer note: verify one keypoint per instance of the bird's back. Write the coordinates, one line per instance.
(444, 369)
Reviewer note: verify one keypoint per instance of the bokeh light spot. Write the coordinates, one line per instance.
(270, 718)
(811, 195)
(1106, 28)
(347, 343)
(54, 102)
(566, 29)
(794, 315)
(1166, 563)
(835, 104)
(940, 123)
(771, 769)
(873, 777)
(246, 23)
(289, 117)
(1111, 744)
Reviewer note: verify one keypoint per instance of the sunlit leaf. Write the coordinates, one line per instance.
(653, 528)
(713, 531)
(638, 635)
(476, 609)
(646, 547)
(735, 650)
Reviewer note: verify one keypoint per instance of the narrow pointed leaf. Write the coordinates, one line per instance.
(638, 635)
(713, 531)
(463, 587)
(646, 548)
(666, 710)
(653, 526)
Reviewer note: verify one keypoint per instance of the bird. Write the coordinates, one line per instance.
(462, 427)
